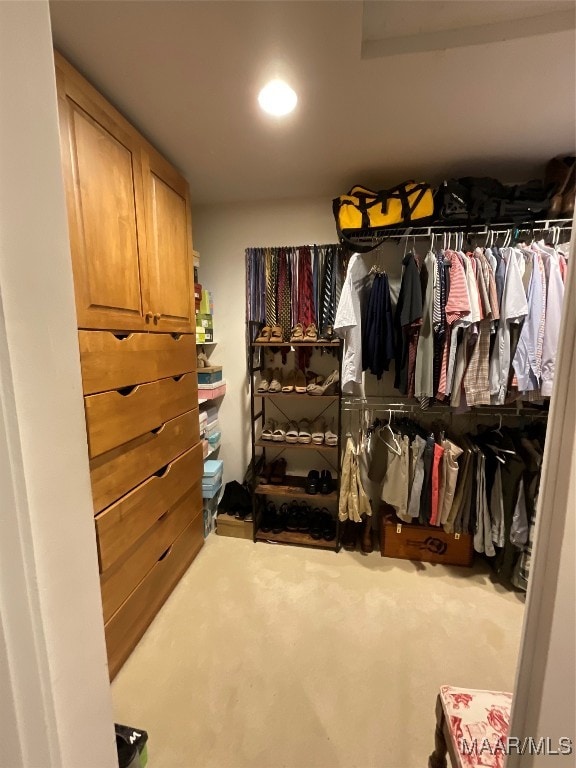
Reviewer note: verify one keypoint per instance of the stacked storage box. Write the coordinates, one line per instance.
(213, 433)
(211, 487)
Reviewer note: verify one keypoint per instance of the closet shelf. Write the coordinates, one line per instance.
(283, 444)
(333, 344)
(294, 487)
(300, 395)
(294, 537)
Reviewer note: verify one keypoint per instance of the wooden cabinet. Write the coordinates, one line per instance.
(129, 218)
(101, 156)
(169, 243)
(131, 247)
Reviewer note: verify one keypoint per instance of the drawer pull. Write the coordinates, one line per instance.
(157, 430)
(122, 336)
(126, 391)
(163, 471)
(179, 377)
(176, 336)
(165, 554)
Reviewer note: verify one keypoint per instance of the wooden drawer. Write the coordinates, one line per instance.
(119, 581)
(121, 525)
(112, 361)
(114, 418)
(131, 620)
(118, 471)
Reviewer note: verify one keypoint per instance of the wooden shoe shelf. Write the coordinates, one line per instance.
(263, 405)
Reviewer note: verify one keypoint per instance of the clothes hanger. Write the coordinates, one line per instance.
(396, 447)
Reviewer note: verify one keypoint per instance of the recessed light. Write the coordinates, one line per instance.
(277, 98)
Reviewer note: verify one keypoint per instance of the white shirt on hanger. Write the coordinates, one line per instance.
(554, 301)
(513, 308)
(348, 323)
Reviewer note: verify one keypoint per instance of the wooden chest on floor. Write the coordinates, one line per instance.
(426, 543)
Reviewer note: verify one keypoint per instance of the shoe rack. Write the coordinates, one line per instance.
(288, 406)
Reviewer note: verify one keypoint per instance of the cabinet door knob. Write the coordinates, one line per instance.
(157, 316)
(148, 316)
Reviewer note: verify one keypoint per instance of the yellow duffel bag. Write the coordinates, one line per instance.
(400, 206)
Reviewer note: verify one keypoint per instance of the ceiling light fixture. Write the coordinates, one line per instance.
(277, 98)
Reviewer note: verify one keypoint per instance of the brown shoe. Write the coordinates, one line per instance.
(297, 333)
(276, 335)
(264, 334)
(366, 543)
(311, 333)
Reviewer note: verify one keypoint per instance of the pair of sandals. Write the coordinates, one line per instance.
(288, 431)
(300, 432)
(327, 386)
(299, 333)
(273, 382)
(271, 334)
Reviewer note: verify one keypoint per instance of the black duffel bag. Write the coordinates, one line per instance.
(472, 200)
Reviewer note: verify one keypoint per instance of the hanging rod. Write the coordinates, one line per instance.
(476, 229)
(382, 405)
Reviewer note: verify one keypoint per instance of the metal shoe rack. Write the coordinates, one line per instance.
(264, 451)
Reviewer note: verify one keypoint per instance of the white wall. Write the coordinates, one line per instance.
(221, 234)
(56, 708)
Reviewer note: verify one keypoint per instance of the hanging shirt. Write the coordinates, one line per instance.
(407, 322)
(527, 360)
(554, 301)
(377, 330)
(457, 309)
(513, 309)
(348, 323)
(424, 374)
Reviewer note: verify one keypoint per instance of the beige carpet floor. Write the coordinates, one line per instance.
(283, 657)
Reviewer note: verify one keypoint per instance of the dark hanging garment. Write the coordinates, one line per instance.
(377, 329)
(407, 322)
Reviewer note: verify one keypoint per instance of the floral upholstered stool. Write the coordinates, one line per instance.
(472, 727)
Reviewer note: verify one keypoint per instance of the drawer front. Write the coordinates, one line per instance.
(125, 628)
(112, 361)
(119, 581)
(121, 525)
(116, 472)
(114, 418)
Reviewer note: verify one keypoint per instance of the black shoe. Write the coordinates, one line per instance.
(294, 517)
(312, 482)
(268, 517)
(316, 524)
(304, 524)
(350, 535)
(328, 526)
(325, 482)
(279, 524)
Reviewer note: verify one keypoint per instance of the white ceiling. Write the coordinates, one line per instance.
(188, 73)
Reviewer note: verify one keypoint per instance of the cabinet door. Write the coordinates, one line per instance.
(169, 240)
(105, 197)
